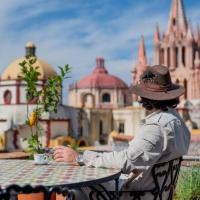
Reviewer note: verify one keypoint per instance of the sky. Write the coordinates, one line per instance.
(75, 32)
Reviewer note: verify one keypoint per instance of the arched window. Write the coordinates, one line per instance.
(121, 127)
(7, 97)
(174, 21)
(168, 56)
(125, 100)
(88, 100)
(162, 56)
(101, 127)
(106, 98)
(183, 56)
(185, 85)
(193, 53)
(176, 57)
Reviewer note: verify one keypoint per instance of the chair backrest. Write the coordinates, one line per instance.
(165, 177)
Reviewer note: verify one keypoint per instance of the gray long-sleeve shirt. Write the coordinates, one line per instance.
(162, 136)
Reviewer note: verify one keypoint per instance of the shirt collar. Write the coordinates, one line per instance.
(152, 118)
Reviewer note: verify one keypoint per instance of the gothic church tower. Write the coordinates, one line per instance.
(179, 49)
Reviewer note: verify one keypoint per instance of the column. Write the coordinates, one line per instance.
(189, 57)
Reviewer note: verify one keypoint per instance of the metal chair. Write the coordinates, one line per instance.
(165, 177)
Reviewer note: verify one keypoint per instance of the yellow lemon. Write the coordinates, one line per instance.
(32, 119)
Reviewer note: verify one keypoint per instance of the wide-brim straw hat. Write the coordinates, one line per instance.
(155, 84)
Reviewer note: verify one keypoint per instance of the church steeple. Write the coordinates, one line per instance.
(179, 49)
(189, 36)
(141, 63)
(142, 60)
(177, 19)
(156, 35)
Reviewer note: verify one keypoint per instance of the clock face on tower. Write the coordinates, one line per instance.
(7, 97)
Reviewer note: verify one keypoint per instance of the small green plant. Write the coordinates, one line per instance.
(73, 146)
(46, 99)
(188, 186)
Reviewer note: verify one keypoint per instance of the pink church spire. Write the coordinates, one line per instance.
(140, 66)
(142, 60)
(189, 36)
(156, 35)
(177, 19)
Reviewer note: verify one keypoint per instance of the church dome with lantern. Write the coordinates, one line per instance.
(13, 71)
(12, 88)
(100, 78)
(99, 89)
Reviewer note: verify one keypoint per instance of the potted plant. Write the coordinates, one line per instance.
(45, 99)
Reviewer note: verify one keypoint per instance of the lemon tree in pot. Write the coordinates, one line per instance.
(45, 99)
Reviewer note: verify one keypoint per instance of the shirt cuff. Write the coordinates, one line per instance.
(89, 157)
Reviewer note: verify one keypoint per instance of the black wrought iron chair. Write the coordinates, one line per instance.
(165, 177)
(11, 192)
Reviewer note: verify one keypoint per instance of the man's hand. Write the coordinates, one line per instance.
(65, 154)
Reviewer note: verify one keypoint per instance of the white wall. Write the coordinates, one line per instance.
(131, 118)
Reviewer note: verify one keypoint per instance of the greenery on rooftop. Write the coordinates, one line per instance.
(188, 186)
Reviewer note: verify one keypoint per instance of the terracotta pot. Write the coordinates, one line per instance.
(38, 196)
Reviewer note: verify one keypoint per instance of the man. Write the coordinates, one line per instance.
(163, 135)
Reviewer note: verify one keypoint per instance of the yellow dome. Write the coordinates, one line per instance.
(13, 71)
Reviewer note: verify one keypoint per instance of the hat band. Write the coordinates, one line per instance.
(156, 88)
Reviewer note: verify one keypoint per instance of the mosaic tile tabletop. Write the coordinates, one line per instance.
(22, 172)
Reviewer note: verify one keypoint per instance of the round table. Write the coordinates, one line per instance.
(25, 172)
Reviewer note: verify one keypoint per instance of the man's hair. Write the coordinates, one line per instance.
(161, 105)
